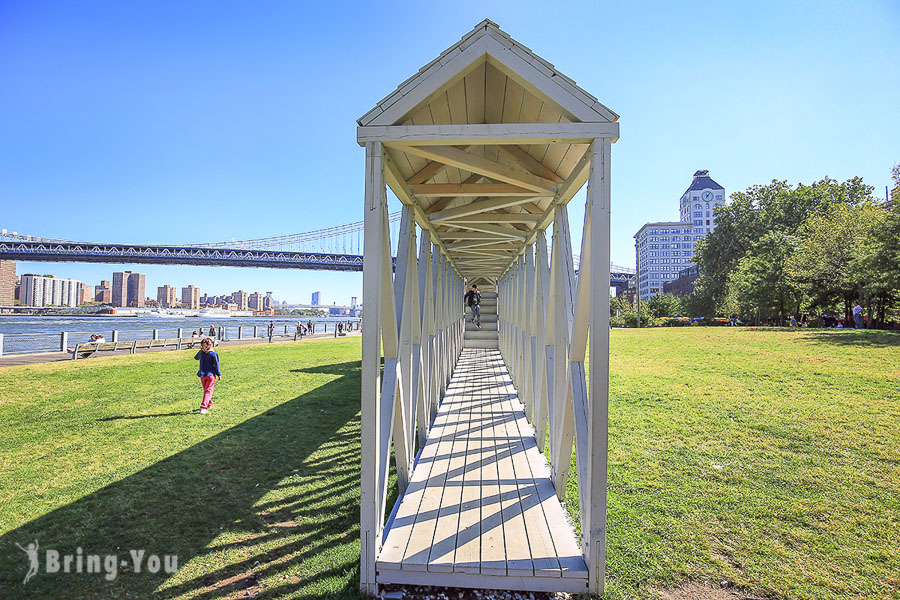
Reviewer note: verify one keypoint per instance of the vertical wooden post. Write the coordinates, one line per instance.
(540, 324)
(599, 198)
(420, 340)
(562, 430)
(370, 523)
(404, 417)
(529, 333)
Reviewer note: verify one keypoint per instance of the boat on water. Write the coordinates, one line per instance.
(161, 313)
(213, 312)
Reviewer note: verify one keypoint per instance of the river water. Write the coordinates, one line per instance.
(33, 333)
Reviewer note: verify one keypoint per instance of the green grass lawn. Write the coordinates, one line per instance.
(768, 458)
(261, 496)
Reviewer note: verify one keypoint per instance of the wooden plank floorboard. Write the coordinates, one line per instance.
(480, 505)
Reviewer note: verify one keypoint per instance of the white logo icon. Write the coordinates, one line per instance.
(32, 552)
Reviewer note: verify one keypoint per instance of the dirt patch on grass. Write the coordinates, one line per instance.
(280, 519)
(244, 585)
(694, 590)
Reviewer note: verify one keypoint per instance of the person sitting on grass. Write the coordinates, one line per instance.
(208, 373)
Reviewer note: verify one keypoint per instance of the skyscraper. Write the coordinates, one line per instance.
(166, 296)
(190, 297)
(85, 294)
(38, 290)
(120, 288)
(128, 289)
(7, 282)
(137, 283)
(699, 201)
(241, 299)
(316, 298)
(255, 302)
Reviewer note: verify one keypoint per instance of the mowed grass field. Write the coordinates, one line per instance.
(766, 458)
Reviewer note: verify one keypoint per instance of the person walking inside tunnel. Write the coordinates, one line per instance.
(208, 373)
(473, 301)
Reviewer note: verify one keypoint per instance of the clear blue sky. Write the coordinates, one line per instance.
(178, 122)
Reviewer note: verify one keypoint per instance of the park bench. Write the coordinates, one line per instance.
(88, 349)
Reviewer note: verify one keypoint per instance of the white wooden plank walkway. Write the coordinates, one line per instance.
(480, 510)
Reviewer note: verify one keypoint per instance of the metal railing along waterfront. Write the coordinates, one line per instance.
(65, 341)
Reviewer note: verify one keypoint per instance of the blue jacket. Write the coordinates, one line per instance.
(209, 363)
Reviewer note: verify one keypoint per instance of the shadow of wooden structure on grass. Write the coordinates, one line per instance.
(273, 497)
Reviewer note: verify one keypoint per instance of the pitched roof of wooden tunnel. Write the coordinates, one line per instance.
(488, 42)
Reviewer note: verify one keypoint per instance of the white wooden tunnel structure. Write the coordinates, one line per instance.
(484, 147)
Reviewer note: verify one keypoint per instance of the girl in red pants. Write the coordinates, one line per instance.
(209, 372)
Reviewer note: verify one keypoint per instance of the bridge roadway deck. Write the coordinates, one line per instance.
(480, 510)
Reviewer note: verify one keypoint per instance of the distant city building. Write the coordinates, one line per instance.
(166, 296)
(241, 299)
(270, 301)
(664, 249)
(316, 298)
(137, 293)
(684, 284)
(120, 288)
(103, 292)
(129, 289)
(699, 201)
(40, 290)
(256, 301)
(86, 294)
(190, 297)
(352, 301)
(7, 282)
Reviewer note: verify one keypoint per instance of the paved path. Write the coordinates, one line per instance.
(45, 357)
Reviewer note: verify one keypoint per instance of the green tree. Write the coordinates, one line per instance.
(664, 305)
(842, 257)
(777, 207)
(763, 284)
(696, 304)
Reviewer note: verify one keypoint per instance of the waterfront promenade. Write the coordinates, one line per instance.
(46, 357)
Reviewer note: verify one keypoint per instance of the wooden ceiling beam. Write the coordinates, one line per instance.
(481, 235)
(478, 206)
(483, 244)
(429, 171)
(491, 217)
(471, 190)
(441, 203)
(489, 228)
(533, 165)
(487, 133)
(467, 161)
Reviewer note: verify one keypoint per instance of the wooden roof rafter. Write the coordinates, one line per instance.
(485, 142)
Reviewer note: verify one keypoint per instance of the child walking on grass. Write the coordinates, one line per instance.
(209, 372)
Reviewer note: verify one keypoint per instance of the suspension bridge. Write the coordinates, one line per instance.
(336, 248)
